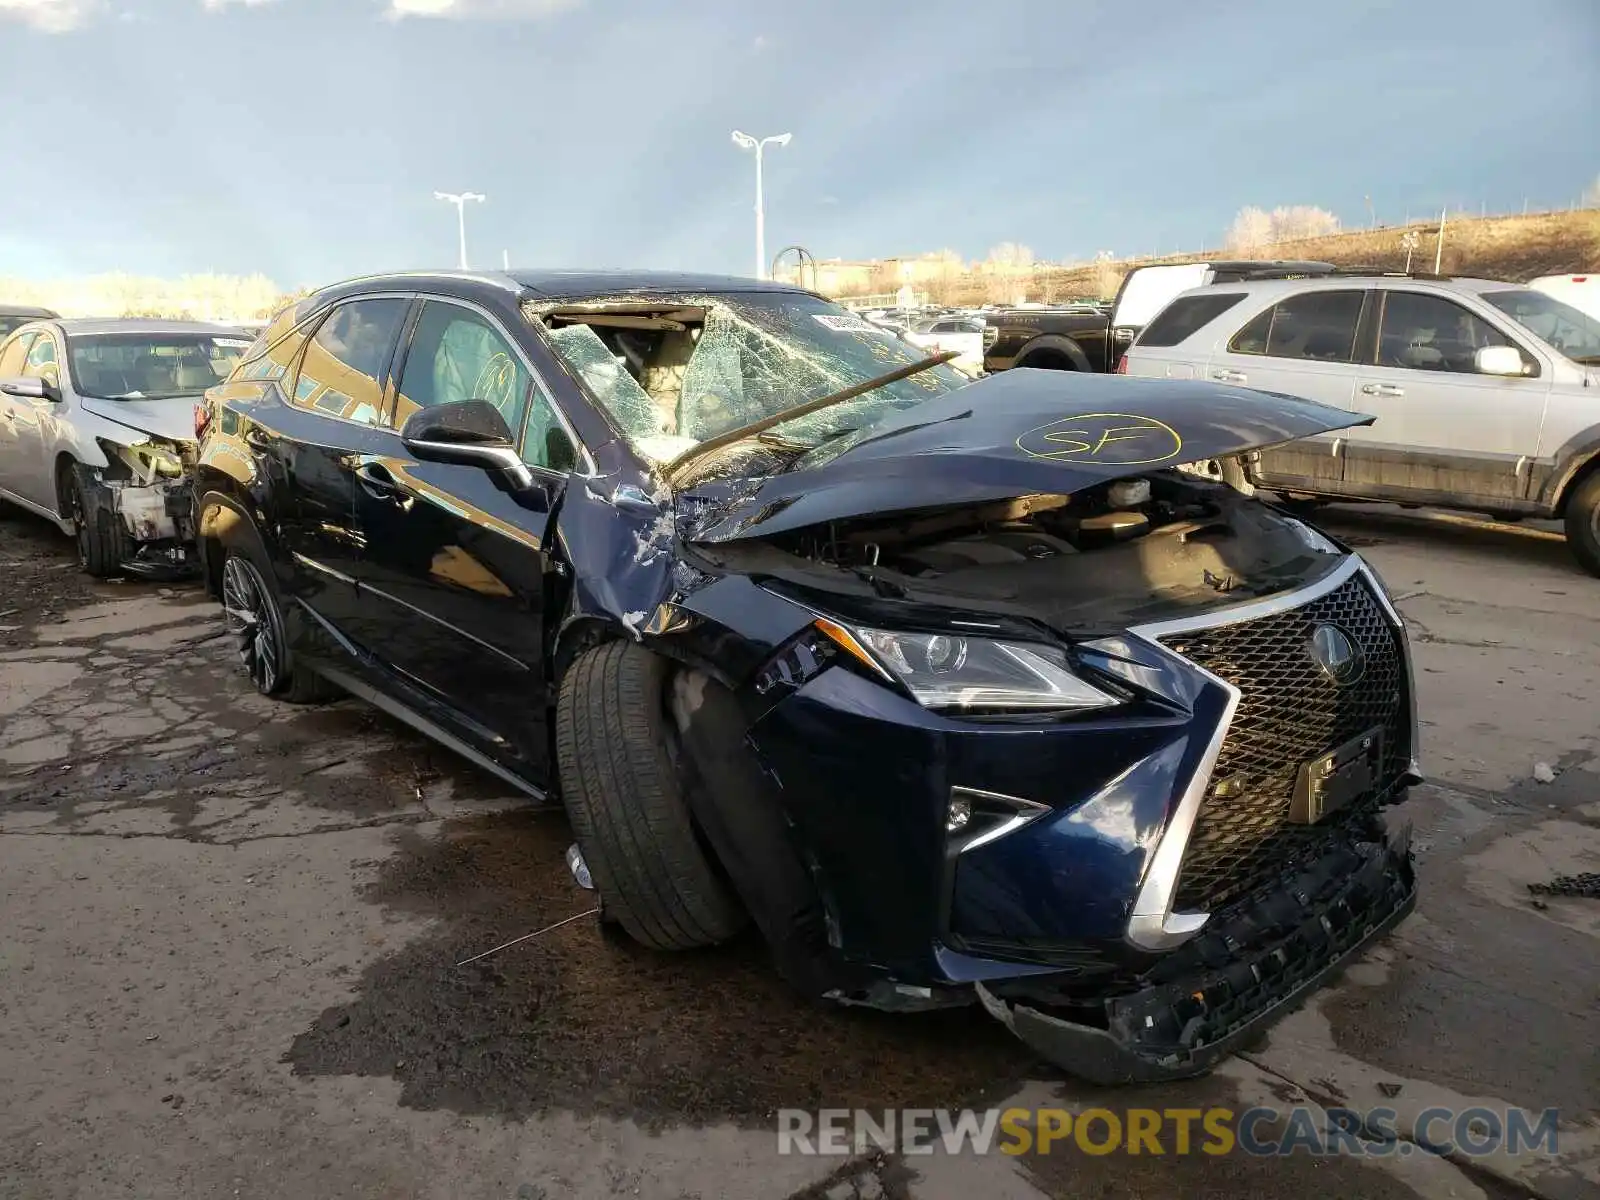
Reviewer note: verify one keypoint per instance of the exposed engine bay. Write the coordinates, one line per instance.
(1137, 549)
(145, 487)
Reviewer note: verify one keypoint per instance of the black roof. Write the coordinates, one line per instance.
(555, 285)
(26, 310)
(558, 285)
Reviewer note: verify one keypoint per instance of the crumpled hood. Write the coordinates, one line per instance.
(171, 419)
(1016, 433)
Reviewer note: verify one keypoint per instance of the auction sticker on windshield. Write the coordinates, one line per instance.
(232, 343)
(846, 323)
(1116, 439)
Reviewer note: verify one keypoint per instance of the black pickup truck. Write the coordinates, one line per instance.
(1083, 337)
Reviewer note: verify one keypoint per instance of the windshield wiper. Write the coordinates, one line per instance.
(695, 453)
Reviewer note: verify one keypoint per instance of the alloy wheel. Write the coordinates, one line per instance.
(251, 619)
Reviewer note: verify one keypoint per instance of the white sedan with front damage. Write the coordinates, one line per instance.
(97, 432)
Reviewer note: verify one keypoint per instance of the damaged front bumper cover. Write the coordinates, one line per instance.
(1250, 966)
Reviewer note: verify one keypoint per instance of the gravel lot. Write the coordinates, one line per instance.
(230, 929)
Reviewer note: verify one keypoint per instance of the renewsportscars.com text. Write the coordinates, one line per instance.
(1260, 1131)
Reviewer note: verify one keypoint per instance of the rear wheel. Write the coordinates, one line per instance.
(254, 618)
(1583, 523)
(621, 782)
(102, 542)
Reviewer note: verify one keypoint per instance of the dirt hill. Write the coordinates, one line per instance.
(1514, 248)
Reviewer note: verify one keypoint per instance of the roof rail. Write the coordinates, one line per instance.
(1390, 273)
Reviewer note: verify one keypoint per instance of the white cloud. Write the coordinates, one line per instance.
(64, 16)
(501, 9)
(50, 16)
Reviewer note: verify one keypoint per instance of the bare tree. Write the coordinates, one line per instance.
(1011, 256)
(1302, 221)
(1251, 228)
(1591, 194)
(1254, 227)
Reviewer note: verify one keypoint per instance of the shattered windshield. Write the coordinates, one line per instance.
(1574, 333)
(674, 372)
(151, 366)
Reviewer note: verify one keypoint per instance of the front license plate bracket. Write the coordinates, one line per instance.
(1328, 783)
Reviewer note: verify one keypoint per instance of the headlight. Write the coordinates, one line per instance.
(955, 673)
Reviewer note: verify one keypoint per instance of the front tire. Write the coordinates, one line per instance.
(102, 542)
(253, 615)
(620, 779)
(1583, 523)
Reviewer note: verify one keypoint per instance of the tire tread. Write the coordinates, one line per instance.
(627, 806)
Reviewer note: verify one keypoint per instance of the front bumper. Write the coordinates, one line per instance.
(1153, 871)
(1221, 990)
(156, 519)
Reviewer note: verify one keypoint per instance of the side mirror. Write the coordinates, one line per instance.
(30, 388)
(469, 433)
(1498, 360)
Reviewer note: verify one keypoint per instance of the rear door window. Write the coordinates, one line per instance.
(1316, 326)
(274, 350)
(345, 365)
(1180, 319)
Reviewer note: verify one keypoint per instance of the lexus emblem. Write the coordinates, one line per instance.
(1337, 653)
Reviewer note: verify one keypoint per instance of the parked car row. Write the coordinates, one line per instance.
(1486, 395)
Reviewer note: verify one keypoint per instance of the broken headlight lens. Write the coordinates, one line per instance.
(955, 673)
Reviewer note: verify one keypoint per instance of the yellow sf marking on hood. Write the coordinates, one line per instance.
(1116, 439)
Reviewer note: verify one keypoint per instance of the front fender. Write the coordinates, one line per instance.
(1576, 455)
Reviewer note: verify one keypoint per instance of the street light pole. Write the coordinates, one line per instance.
(745, 141)
(459, 199)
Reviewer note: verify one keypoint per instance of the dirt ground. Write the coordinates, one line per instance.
(231, 927)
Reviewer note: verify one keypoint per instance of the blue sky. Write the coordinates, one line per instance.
(305, 138)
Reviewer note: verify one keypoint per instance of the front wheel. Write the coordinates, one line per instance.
(621, 781)
(1583, 523)
(102, 542)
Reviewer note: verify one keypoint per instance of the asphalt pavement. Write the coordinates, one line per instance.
(229, 932)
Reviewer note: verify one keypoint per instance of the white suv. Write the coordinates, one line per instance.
(1486, 395)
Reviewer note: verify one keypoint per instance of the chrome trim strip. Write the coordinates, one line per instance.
(1392, 611)
(360, 689)
(1153, 926)
(314, 565)
(367, 588)
(1253, 609)
(504, 458)
(1028, 810)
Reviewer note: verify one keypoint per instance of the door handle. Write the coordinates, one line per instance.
(1381, 389)
(376, 481)
(1230, 376)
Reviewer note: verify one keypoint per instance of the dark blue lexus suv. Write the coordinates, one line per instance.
(1000, 690)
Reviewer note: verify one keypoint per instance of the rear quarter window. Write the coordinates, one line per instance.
(1184, 316)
